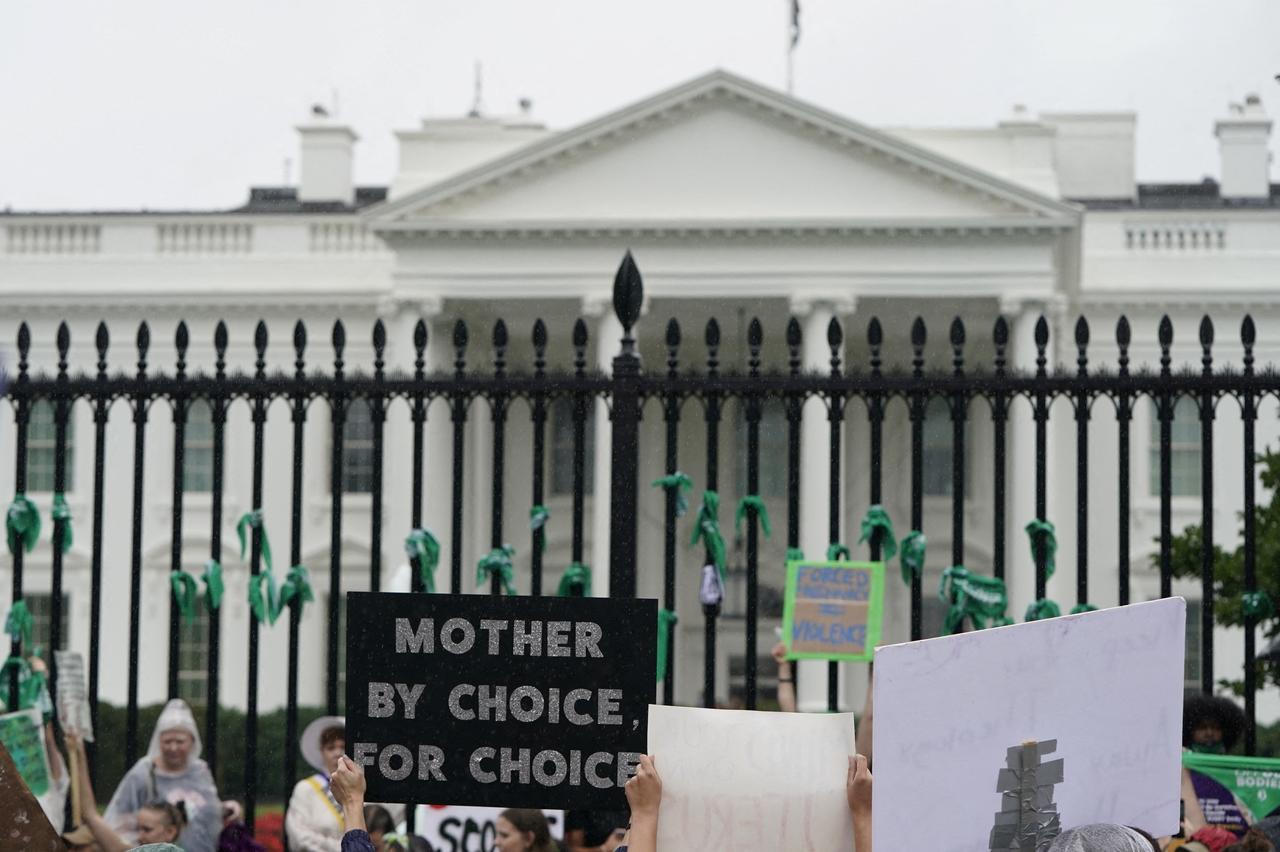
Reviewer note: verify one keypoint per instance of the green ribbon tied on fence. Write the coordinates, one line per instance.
(752, 501)
(680, 483)
(837, 551)
(980, 599)
(262, 601)
(1257, 605)
(1041, 609)
(794, 554)
(877, 520)
(31, 684)
(666, 620)
(1042, 531)
(61, 512)
(1083, 607)
(576, 574)
(538, 517)
(253, 520)
(912, 552)
(22, 524)
(707, 529)
(424, 551)
(185, 592)
(213, 587)
(297, 586)
(497, 562)
(18, 623)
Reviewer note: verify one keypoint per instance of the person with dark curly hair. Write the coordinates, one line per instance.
(1212, 724)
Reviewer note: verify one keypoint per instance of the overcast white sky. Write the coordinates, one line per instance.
(164, 104)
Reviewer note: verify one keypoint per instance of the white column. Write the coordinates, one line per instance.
(815, 463)
(607, 334)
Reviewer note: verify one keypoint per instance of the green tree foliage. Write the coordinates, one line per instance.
(1228, 566)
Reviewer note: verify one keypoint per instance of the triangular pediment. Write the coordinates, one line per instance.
(720, 152)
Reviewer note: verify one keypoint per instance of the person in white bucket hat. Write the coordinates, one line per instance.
(172, 771)
(314, 822)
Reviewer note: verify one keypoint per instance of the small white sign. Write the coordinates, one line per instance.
(73, 695)
(1102, 691)
(752, 781)
(456, 828)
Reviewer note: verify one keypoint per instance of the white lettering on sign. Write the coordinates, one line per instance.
(579, 639)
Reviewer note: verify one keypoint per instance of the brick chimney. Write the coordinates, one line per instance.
(326, 171)
(1244, 138)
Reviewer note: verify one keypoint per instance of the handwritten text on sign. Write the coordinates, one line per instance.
(833, 609)
(512, 701)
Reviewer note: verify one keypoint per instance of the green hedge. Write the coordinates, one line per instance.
(109, 756)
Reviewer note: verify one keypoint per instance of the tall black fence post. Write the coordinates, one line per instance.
(628, 296)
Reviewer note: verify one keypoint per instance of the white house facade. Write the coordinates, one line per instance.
(737, 202)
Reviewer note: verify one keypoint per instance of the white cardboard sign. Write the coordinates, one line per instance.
(752, 781)
(1106, 685)
(461, 828)
(73, 698)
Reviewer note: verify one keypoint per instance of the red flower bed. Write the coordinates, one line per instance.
(268, 829)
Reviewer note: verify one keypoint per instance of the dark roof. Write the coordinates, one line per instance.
(262, 199)
(1182, 196)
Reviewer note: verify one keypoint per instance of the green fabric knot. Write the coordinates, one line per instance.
(31, 685)
(666, 620)
(576, 574)
(538, 517)
(752, 501)
(498, 562)
(297, 586)
(262, 597)
(253, 520)
(1083, 607)
(1043, 530)
(980, 599)
(1257, 605)
(837, 551)
(424, 551)
(61, 512)
(1041, 609)
(794, 554)
(22, 524)
(913, 550)
(213, 587)
(876, 520)
(18, 623)
(707, 529)
(185, 591)
(680, 483)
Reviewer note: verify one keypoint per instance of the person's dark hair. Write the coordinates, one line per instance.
(377, 818)
(534, 820)
(331, 735)
(1199, 709)
(174, 814)
(1254, 840)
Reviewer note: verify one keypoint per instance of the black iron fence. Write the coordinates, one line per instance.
(626, 389)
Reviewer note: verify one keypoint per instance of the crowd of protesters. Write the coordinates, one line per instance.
(169, 797)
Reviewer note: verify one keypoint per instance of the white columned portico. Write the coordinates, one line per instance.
(1020, 491)
(816, 314)
(607, 334)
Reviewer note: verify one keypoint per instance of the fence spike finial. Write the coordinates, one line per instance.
(918, 333)
(379, 339)
(419, 337)
(1042, 332)
(755, 334)
(1206, 331)
(628, 294)
(957, 335)
(1166, 331)
(102, 339)
(539, 335)
(673, 333)
(875, 334)
(1248, 333)
(64, 343)
(835, 333)
(143, 342)
(299, 339)
(1000, 337)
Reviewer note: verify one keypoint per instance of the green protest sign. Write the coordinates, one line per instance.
(23, 736)
(1234, 791)
(832, 610)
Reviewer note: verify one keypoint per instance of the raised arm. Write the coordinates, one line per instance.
(858, 791)
(863, 740)
(786, 680)
(108, 840)
(644, 794)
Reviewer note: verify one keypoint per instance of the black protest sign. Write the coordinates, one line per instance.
(502, 701)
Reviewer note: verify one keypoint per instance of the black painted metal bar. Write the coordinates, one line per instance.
(999, 426)
(671, 418)
(419, 415)
(1207, 402)
(835, 416)
(22, 421)
(875, 419)
(1041, 415)
(1165, 411)
(338, 402)
(916, 401)
(181, 405)
(959, 417)
(711, 416)
(538, 416)
(1124, 416)
(754, 409)
(299, 418)
(259, 419)
(795, 418)
(1082, 466)
(624, 498)
(581, 402)
(498, 414)
(218, 414)
(101, 406)
(140, 403)
(378, 415)
(1249, 416)
(61, 414)
(458, 412)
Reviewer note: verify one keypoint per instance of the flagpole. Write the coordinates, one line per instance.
(793, 38)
